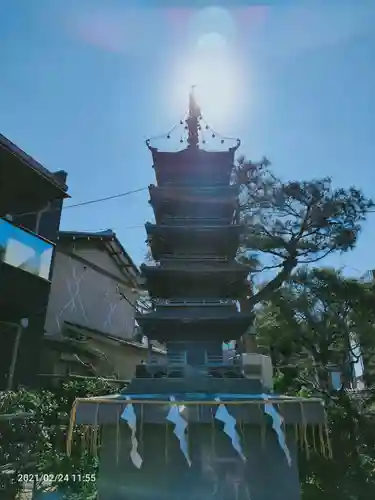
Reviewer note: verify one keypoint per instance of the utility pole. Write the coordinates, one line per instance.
(20, 327)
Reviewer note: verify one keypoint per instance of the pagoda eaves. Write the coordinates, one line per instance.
(193, 167)
(193, 204)
(221, 240)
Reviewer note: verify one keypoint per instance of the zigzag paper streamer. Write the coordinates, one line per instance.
(224, 416)
(181, 425)
(130, 417)
(277, 421)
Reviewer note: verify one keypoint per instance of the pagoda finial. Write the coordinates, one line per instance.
(193, 119)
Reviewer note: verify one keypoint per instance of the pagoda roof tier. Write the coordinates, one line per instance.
(193, 195)
(215, 240)
(193, 167)
(162, 328)
(224, 281)
(193, 205)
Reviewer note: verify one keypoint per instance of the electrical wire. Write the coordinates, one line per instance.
(84, 203)
(112, 197)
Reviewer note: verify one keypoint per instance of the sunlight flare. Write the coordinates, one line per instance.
(211, 67)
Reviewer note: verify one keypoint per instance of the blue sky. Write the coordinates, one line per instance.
(83, 83)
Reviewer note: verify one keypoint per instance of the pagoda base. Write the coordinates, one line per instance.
(216, 473)
(193, 446)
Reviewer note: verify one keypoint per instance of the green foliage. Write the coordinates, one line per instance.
(37, 444)
(309, 325)
(23, 439)
(291, 223)
(351, 473)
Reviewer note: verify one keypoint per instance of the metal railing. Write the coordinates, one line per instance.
(206, 257)
(177, 358)
(213, 360)
(194, 302)
(210, 360)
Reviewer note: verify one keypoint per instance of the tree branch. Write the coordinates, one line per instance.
(288, 266)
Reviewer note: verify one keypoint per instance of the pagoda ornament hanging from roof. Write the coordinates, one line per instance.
(197, 424)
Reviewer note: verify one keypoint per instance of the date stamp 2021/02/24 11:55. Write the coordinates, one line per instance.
(56, 478)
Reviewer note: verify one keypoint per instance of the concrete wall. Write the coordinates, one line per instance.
(83, 295)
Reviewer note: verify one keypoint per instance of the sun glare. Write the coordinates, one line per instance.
(211, 68)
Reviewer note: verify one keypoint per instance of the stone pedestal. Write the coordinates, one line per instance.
(263, 424)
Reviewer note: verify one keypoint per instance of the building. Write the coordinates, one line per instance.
(31, 200)
(206, 429)
(90, 322)
(365, 369)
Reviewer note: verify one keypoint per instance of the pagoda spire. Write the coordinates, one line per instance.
(192, 120)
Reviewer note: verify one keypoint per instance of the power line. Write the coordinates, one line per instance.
(97, 200)
(107, 198)
(84, 203)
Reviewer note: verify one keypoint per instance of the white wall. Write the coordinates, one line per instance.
(82, 295)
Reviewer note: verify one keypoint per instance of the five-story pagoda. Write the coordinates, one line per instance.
(198, 425)
(196, 280)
